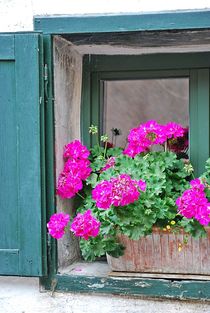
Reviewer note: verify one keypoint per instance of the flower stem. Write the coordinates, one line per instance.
(165, 146)
(105, 148)
(80, 195)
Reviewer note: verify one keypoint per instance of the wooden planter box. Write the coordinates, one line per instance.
(159, 253)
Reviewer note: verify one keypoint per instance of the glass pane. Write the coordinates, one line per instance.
(130, 103)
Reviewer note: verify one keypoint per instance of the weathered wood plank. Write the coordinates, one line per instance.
(199, 118)
(142, 38)
(28, 104)
(123, 22)
(8, 171)
(161, 276)
(7, 47)
(140, 255)
(185, 289)
(9, 261)
(68, 74)
(161, 61)
(21, 241)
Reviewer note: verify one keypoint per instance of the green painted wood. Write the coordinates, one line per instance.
(96, 109)
(9, 250)
(124, 22)
(160, 61)
(49, 156)
(164, 65)
(199, 118)
(20, 166)
(131, 75)
(43, 160)
(85, 115)
(7, 48)
(59, 25)
(185, 289)
(94, 91)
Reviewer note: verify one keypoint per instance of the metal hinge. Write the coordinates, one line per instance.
(46, 81)
(49, 238)
(46, 72)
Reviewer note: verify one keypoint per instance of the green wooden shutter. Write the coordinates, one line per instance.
(199, 118)
(22, 239)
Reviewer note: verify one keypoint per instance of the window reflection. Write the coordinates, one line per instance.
(129, 103)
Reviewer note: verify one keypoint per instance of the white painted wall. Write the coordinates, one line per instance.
(17, 15)
(21, 295)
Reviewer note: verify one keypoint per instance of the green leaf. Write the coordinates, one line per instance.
(114, 151)
(117, 251)
(193, 227)
(92, 180)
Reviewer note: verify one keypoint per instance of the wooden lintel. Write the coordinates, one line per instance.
(142, 38)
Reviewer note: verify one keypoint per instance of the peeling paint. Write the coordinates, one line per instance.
(176, 285)
(142, 284)
(96, 286)
(22, 295)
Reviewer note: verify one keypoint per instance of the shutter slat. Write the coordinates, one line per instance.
(20, 168)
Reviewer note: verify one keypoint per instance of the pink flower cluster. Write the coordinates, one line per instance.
(118, 191)
(110, 163)
(85, 225)
(76, 169)
(57, 224)
(141, 139)
(193, 203)
(181, 144)
(75, 150)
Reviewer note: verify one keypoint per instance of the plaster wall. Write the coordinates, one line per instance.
(21, 295)
(67, 90)
(17, 15)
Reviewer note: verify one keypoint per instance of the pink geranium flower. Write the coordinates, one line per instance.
(142, 185)
(140, 139)
(194, 204)
(102, 194)
(85, 225)
(143, 137)
(75, 150)
(76, 169)
(110, 163)
(180, 144)
(133, 149)
(173, 130)
(118, 191)
(197, 185)
(79, 168)
(124, 190)
(68, 185)
(57, 225)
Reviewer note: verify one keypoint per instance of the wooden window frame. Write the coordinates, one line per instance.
(195, 66)
(58, 25)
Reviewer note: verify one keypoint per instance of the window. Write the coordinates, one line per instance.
(101, 76)
(107, 71)
(99, 68)
(128, 103)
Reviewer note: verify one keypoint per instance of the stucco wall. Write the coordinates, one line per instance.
(21, 295)
(67, 90)
(17, 15)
